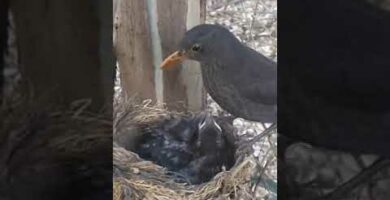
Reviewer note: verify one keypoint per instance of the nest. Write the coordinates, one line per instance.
(136, 178)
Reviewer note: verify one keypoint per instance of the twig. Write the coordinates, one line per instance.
(253, 19)
(257, 138)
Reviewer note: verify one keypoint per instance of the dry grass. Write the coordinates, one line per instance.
(140, 179)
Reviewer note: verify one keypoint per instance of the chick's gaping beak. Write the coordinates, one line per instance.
(174, 59)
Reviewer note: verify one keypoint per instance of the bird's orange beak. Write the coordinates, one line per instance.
(172, 60)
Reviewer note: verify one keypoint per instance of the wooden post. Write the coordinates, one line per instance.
(196, 14)
(132, 46)
(154, 29)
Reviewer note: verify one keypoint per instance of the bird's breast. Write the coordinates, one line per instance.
(222, 89)
(215, 80)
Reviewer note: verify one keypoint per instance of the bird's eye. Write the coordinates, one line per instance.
(195, 47)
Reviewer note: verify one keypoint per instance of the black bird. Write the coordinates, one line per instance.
(194, 148)
(168, 145)
(213, 152)
(241, 80)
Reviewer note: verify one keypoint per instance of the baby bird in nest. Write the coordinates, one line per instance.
(193, 148)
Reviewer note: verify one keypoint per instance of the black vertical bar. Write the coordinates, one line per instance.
(4, 5)
(333, 76)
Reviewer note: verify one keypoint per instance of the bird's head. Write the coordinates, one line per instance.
(201, 43)
(210, 135)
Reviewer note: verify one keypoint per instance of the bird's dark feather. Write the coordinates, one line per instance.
(194, 153)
